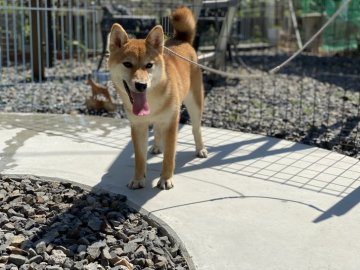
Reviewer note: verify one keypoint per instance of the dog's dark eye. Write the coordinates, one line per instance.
(128, 64)
(149, 65)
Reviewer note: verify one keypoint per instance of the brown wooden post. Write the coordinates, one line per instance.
(37, 46)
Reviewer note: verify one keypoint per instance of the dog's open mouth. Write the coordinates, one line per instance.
(140, 106)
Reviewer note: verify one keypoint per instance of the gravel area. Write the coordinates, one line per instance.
(313, 100)
(52, 226)
(53, 97)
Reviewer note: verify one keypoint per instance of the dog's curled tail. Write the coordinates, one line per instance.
(184, 24)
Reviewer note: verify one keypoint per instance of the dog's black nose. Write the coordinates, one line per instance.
(141, 87)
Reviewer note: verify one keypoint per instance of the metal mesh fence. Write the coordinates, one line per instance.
(315, 99)
(45, 39)
(309, 101)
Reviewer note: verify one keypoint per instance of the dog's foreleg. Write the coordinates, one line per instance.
(139, 135)
(169, 135)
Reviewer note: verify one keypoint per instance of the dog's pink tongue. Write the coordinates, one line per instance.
(140, 105)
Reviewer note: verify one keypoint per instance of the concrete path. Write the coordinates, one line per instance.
(255, 203)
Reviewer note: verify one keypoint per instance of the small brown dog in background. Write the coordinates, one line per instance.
(98, 90)
(100, 98)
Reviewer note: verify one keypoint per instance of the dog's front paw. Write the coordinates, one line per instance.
(202, 153)
(136, 184)
(155, 150)
(165, 183)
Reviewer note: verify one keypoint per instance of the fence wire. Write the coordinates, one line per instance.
(55, 44)
(46, 39)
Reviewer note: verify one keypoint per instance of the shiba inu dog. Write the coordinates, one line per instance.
(153, 84)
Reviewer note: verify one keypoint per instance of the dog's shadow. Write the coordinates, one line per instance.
(121, 172)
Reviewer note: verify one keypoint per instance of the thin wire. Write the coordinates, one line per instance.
(213, 70)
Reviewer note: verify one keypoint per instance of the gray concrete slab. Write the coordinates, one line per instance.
(255, 203)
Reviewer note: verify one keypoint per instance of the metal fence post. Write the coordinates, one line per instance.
(37, 48)
(49, 34)
(225, 35)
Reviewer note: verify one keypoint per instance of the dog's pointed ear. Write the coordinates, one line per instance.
(118, 37)
(156, 37)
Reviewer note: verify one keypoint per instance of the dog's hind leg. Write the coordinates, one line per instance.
(157, 146)
(139, 135)
(194, 104)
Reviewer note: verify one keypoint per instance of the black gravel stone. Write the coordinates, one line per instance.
(88, 230)
(17, 259)
(36, 259)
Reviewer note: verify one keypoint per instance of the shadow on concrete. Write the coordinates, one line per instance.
(30, 125)
(342, 207)
(224, 155)
(121, 170)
